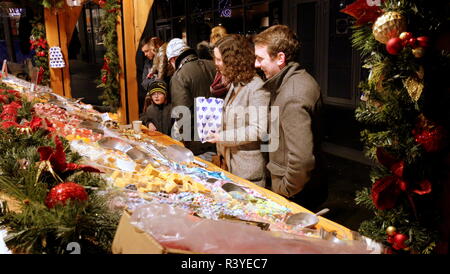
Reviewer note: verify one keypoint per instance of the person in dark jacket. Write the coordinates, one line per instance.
(192, 79)
(157, 109)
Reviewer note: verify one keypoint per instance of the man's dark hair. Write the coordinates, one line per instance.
(279, 38)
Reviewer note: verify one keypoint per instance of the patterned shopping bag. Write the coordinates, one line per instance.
(208, 116)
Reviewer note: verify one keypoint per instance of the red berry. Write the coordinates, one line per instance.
(403, 185)
(423, 41)
(412, 42)
(394, 46)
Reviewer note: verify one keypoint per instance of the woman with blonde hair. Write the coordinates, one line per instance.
(245, 110)
(217, 33)
(220, 86)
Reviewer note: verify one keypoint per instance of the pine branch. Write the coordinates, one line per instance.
(363, 40)
(363, 198)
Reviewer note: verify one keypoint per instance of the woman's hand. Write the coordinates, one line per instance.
(213, 138)
(151, 127)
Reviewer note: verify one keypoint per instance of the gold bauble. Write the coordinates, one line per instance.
(415, 87)
(418, 52)
(391, 231)
(389, 25)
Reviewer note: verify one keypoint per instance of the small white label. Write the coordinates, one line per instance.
(105, 117)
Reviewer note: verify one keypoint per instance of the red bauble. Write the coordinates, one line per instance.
(394, 46)
(399, 241)
(104, 79)
(63, 192)
(431, 138)
(423, 41)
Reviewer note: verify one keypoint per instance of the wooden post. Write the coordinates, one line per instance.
(135, 14)
(59, 27)
(142, 9)
(53, 39)
(122, 111)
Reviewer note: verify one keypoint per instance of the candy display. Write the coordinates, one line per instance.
(151, 179)
(176, 227)
(24, 86)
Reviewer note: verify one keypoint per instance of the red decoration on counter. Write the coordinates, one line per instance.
(59, 194)
(57, 159)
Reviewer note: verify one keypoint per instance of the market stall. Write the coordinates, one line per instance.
(161, 188)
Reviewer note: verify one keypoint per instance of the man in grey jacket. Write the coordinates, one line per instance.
(192, 78)
(295, 96)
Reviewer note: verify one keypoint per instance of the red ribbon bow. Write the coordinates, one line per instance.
(57, 159)
(432, 136)
(386, 191)
(362, 12)
(34, 124)
(8, 124)
(9, 112)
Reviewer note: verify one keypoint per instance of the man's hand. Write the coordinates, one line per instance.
(150, 75)
(151, 127)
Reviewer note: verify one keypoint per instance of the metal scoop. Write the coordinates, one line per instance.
(229, 187)
(137, 155)
(304, 219)
(115, 143)
(181, 154)
(237, 192)
(94, 126)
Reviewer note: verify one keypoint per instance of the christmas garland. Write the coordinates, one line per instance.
(58, 200)
(40, 46)
(404, 108)
(52, 4)
(109, 81)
